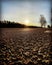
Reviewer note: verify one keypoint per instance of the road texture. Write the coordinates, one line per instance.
(25, 46)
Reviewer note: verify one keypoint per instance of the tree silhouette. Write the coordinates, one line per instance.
(48, 26)
(42, 21)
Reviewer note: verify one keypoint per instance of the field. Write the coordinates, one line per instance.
(25, 46)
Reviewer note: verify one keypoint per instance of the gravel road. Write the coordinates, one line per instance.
(25, 46)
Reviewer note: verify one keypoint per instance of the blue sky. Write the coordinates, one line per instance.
(26, 10)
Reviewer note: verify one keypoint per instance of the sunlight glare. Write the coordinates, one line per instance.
(26, 22)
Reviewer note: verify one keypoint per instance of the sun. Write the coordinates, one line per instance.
(26, 22)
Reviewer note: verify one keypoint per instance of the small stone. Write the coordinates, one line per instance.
(44, 56)
(46, 61)
(26, 53)
(39, 58)
(34, 49)
(27, 61)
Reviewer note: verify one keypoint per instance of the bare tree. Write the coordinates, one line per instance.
(42, 21)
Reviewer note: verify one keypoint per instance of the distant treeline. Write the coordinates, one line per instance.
(9, 24)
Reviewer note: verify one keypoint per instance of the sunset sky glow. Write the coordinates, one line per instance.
(26, 11)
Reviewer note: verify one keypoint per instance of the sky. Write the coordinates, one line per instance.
(26, 11)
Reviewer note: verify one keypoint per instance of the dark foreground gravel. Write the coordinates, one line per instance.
(25, 46)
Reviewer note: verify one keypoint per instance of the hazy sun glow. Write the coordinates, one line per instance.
(26, 22)
(26, 11)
